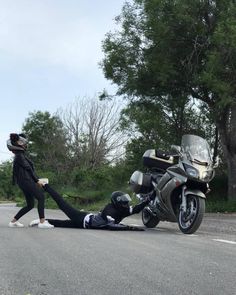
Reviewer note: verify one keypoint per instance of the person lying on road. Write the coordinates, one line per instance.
(108, 218)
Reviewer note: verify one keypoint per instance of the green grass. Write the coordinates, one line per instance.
(96, 200)
(221, 206)
(6, 201)
(91, 206)
(88, 200)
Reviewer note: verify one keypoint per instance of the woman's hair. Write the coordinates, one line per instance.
(14, 137)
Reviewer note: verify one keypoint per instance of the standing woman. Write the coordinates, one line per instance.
(25, 177)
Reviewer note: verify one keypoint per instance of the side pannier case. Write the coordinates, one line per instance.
(157, 159)
(140, 183)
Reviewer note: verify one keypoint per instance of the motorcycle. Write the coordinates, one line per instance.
(179, 182)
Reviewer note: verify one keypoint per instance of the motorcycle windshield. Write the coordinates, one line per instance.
(196, 149)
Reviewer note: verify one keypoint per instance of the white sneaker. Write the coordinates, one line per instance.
(34, 222)
(15, 224)
(45, 224)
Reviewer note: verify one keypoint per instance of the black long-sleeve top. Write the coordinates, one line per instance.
(23, 169)
(119, 214)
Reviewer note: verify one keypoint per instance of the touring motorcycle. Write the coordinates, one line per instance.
(179, 182)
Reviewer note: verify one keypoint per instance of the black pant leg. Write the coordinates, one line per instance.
(75, 215)
(39, 195)
(31, 191)
(30, 204)
(63, 223)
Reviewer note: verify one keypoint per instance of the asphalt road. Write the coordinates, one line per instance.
(78, 261)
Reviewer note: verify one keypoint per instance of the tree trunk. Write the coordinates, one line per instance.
(216, 145)
(232, 178)
(227, 130)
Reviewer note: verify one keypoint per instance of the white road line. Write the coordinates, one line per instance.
(225, 241)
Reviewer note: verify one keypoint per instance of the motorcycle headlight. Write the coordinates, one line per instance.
(207, 175)
(192, 172)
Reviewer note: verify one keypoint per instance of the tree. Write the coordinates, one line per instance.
(151, 124)
(93, 134)
(181, 48)
(47, 141)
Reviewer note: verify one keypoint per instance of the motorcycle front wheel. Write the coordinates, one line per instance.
(190, 220)
(149, 219)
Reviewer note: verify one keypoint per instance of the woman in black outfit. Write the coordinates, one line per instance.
(25, 177)
(108, 218)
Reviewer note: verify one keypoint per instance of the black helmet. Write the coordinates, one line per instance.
(17, 142)
(120, 199)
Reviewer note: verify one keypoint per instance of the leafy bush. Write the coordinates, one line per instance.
(7, 190)
(221, 206)
(103, 178)
(218, 188)
(91, 189)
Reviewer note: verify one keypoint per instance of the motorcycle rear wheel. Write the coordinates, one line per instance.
(190, 221)
(149, 219)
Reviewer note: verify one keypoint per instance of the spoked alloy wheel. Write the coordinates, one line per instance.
(190, 220)
(149, 219)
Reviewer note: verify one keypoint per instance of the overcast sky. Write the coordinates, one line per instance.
(49, 55)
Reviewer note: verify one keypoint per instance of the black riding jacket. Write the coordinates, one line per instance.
(23, 169)
(120, 213)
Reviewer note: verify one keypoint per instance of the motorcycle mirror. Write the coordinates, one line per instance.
(175, 148)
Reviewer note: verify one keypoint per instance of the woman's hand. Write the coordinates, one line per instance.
(42, 181)
(39, 183)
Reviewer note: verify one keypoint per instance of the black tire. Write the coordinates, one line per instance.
(190, 221)
(149, 219)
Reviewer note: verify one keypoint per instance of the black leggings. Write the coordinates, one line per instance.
(31, 191)
(76, 216)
